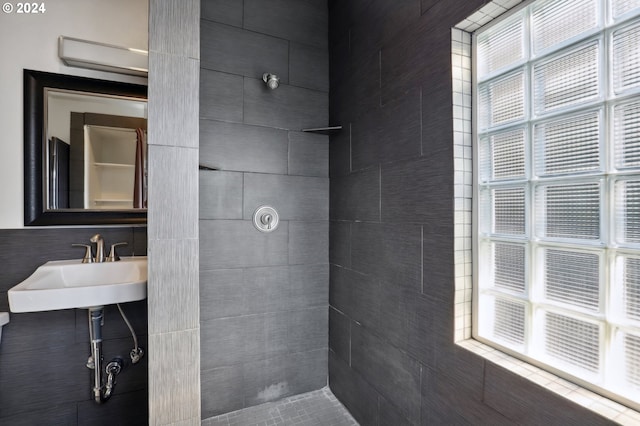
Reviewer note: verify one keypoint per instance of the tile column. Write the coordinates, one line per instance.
(173, 295)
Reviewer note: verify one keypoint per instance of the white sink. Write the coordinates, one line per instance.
(66, 284)
(4, 320)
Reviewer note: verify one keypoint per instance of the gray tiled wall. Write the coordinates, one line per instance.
(263, 297)
(173, 290)
(43, 377)
(392, 360)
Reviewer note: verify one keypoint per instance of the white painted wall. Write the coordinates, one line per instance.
(31, 41)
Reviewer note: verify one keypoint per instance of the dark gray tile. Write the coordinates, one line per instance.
(459, 373)
(339, 61)
(380, 20)
(61, 414)
(339, 288)
(21, 389)
(418, 56)
(447, 408)
(406, 321)
(438, 259)
(266, 380)
(395, 375)
(310, 370)
(449, 14)
(390, 415)
(418, 190)
(427, 4)
(401, 317)
(237, 340)
(223, 341)
(390, 133)
(284, 375)
(309, 67)
(225, 146)
(390, 252)
(308, 243)
(441, 331)
(437, 116)
(220, 194)
(247, 53)
(139, 246)
(340, 152)
(223, 11)
(360, 398)
(276, 339)
(356, 295)
(340, 243)
(221, 293)
(32, 331)
(266, 289)
(342, 15)
(397, 310)
(293, 197)
(236, 243)
(309, 286)
(308, 154)
(222, 390)
(308, 329)
(287, 107)
(356, 196)
(532, 404)
(340, 335)
(236, 292)
(301, 21)
(357, 93)
(220, 96)
(129, 408)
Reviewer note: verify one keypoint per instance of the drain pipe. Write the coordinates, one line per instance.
(113, 369)
(95, 332)
(96, 320)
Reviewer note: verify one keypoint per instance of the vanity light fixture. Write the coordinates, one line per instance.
(272, 80)
(76, 52)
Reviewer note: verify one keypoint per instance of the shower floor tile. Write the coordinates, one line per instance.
(317, 408)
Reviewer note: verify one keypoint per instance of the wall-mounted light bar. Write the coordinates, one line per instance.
(76, 52)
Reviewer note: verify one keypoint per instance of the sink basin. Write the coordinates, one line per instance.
(4, 320)
(66, 284)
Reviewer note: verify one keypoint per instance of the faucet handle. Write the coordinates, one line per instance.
(88, 254)
(113, 256)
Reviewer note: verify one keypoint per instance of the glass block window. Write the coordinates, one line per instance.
(557, 189)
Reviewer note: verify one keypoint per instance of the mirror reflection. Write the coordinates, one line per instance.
(95, 153)
(84, 150)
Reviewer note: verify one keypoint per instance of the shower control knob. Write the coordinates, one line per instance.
(265, 219)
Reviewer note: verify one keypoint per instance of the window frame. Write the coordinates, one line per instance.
(604, 103)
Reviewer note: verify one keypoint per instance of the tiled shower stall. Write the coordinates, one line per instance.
(263, 296)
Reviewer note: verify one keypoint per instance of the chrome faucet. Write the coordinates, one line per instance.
(99, 247)
(100, 256)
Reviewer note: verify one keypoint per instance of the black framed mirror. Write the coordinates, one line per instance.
(49, 200)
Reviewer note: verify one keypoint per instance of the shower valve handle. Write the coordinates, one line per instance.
(266, 219)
